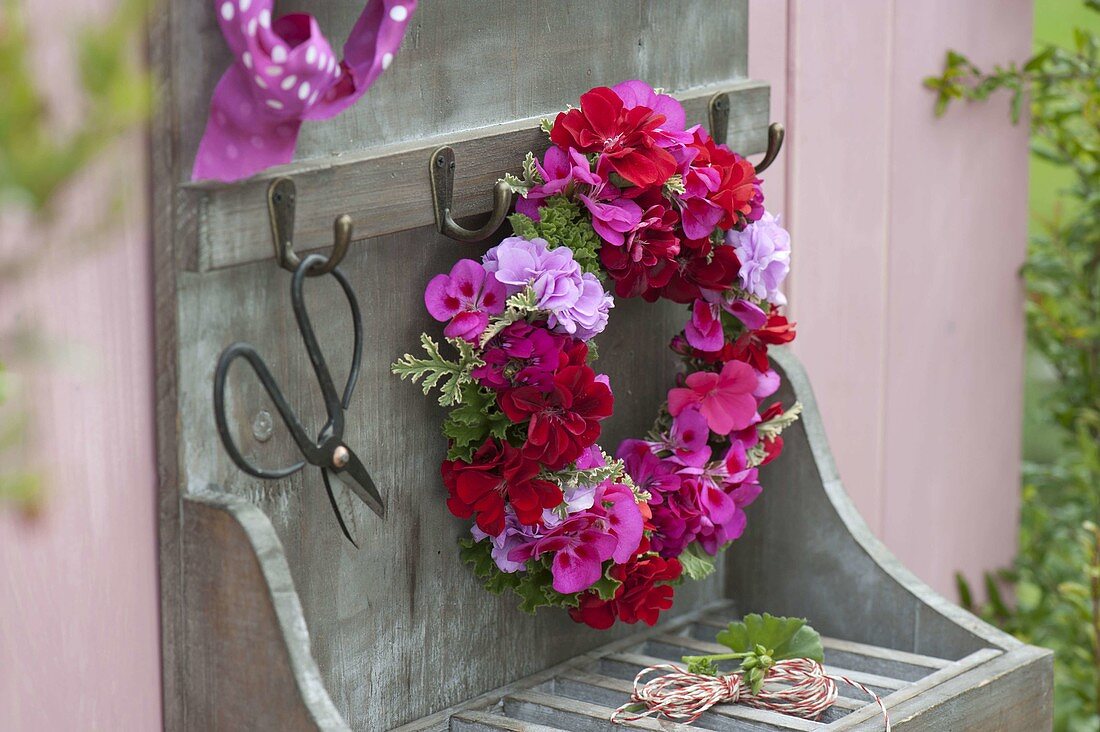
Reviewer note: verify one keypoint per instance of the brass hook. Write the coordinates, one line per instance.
(719, 122)
(441, 169)
(719, 117)
(775, 142)
(281, 196)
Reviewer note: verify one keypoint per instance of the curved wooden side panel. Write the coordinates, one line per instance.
(246, 650)
(808, 552)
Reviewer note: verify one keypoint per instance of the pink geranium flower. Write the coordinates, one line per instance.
(725, 399)
(466, 297)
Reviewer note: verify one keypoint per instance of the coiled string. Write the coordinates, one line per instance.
(806, 692)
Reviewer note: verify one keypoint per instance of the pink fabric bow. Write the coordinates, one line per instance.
(285, 72)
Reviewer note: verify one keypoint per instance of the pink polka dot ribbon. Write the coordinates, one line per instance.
(285, 72)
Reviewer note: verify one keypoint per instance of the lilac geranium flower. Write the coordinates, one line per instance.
(588, 316)
(466, 297)
(575, 301)
(764, 249)
(553, 273)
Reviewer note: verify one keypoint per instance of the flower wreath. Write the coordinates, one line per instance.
(625, 197)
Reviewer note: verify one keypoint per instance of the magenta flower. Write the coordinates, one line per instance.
(559, 169)
(650, 473)
(613, 218)
(725, 398)
(624, 519)
(466, 297)
(581, 544)
(521, 355)
(687, 440)
(704, 330)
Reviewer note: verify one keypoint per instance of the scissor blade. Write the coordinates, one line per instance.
(355, 476)
(336, 509)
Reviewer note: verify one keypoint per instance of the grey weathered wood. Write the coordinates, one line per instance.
(250, 640)
(579, 716)
(1012, 691)
(482, 722)
(386, 189)
(266, 610)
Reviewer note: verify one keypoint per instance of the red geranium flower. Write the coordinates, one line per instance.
(644, 593)
(498, 471)
(701, 266)
(737, 185)
(645, 261)
(564, 421)
(623, 136)
(752, 347)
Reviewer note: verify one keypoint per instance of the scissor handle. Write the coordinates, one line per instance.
(334, 405)
(305, 443)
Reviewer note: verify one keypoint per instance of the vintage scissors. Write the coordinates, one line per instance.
(328, 451)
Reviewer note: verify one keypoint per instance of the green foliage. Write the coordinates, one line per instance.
(697, 563)
(533, 585)
(759, 641)
(562, 223)
(476, 418)
(516, 308)
(18, 488)
(436, 370)
(35, 159)
(1056, 577)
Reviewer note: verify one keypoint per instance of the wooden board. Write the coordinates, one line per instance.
(266, 609)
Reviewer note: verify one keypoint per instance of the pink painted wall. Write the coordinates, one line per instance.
(79, 624)
(908, 233)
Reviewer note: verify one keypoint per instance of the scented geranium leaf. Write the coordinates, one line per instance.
(436, 371)
(606, 586)
(781, 638)
(697, 563)
(563, 224)
(475, 419)
(479, 555)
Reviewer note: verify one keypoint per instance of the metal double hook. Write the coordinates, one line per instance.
(441, 168)
(281, 199)
(719, 121)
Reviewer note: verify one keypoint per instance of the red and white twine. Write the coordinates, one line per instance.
(805, 691)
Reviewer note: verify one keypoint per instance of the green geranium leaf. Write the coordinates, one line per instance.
(782, 638)
(697, 563)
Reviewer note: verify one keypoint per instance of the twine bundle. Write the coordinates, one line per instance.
(680, 696)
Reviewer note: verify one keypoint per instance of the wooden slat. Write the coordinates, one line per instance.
(913, 690)
(486, 722)
(387, 190)
(611, 692)
(577, 715)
